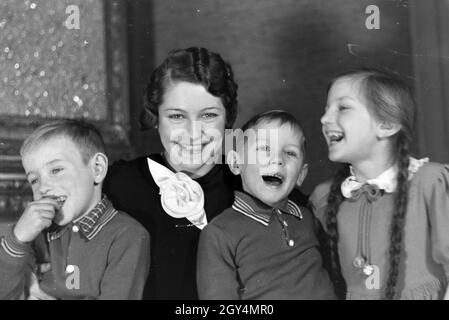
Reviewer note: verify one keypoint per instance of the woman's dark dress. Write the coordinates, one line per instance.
(131, 188)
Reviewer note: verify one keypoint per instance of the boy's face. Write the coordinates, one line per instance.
(55, 168)
(273, 163)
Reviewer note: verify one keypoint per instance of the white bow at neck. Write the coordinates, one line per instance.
(181, 196)
(385, 181)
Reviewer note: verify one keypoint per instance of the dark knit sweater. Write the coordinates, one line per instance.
(107, 262)
(242, 257)
(131, 187)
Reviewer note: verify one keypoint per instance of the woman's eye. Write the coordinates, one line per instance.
(209, 115)
(33, 181)
(56, 170)
(176, 116)
(342, 108)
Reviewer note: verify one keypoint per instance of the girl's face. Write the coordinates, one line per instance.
(348, 127)
(191, 127)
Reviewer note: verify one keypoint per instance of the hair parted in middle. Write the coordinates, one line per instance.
(195, 65)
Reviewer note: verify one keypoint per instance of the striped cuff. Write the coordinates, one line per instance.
(12, 246)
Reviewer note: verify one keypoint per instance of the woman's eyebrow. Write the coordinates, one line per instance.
(208, 108)
(175, 109)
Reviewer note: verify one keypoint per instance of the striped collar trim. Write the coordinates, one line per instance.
(91, 223)
(258, 211)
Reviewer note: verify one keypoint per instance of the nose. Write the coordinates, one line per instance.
(327, 117)
(195, 132)
(44, 188)
(276, 159)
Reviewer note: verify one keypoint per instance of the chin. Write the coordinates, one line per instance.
(61, 222)
(63, 219)
(333, 157)
(190, 167)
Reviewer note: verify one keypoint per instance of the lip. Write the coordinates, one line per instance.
(275, 175)
(59, 199)
(330, 133)
(193, 148)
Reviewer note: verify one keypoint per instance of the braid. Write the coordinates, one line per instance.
(398, 220)
(333, 204)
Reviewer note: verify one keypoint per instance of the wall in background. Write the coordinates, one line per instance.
(283, 52)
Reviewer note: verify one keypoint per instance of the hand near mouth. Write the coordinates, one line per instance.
(37, 216)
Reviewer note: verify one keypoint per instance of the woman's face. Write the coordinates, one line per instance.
(191, 127)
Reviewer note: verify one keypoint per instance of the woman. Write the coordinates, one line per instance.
(191, 99)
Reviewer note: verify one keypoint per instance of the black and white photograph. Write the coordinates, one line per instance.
(201, 152)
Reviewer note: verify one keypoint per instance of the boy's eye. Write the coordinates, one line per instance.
(176, 116)
(263, 148)
(291, 153)
(32, 181)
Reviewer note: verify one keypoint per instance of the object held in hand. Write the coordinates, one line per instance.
(59, 199)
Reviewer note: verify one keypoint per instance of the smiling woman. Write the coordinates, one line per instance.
(191, 125)
(191, 99)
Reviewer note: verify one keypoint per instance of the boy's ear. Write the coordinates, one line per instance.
(387, 129)
(233, 161)
(302, 174)
(99, 165)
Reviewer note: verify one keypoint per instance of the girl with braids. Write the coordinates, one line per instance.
(191, 99)
(386, 214)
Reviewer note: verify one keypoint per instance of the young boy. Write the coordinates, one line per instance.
(92, 251)
(264, 246)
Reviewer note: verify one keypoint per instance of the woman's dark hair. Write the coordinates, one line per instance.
(195, 65)
(389, 100)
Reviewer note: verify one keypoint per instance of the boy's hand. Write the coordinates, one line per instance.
(37, 216)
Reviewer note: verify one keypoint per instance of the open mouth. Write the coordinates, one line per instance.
(334, 136)
(61, 200)
(273, 179)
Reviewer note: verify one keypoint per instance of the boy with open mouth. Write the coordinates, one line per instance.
(264, 246)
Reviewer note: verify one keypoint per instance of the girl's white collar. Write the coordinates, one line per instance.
(386, 180)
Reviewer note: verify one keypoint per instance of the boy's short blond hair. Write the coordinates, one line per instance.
(84, 135)
(281, 116)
